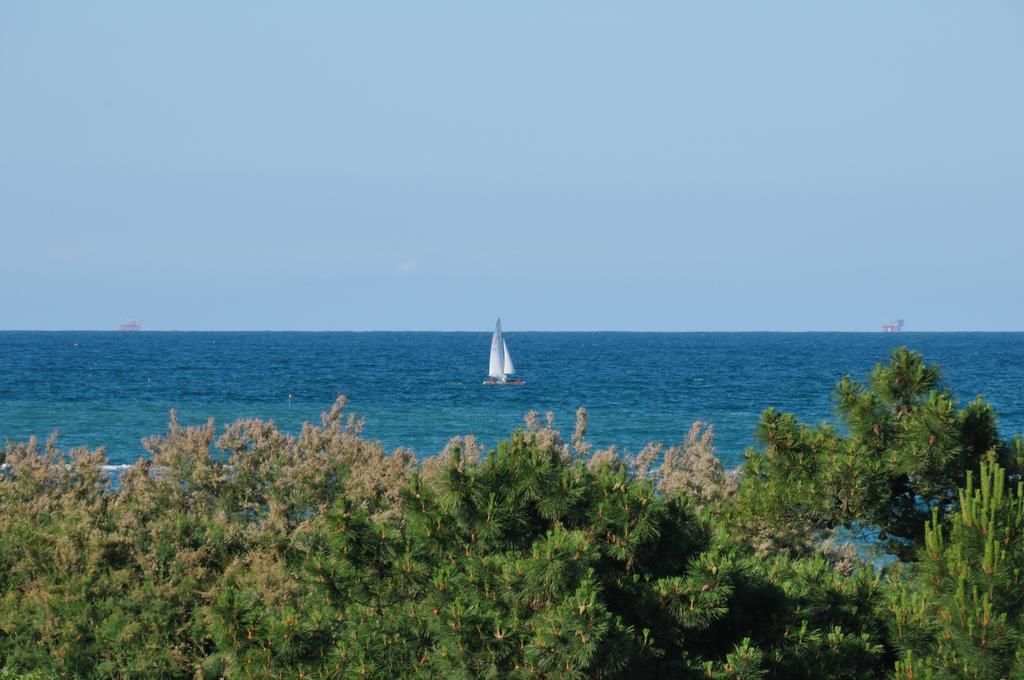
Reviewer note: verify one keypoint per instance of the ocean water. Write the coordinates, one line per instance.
(418, 389)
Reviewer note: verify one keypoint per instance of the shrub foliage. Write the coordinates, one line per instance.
(254, 553)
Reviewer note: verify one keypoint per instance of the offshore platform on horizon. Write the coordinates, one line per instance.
(894, 326)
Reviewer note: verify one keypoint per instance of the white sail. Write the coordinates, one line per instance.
(497, 365)
(509, 368)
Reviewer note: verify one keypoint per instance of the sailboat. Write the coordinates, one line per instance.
(501, 366)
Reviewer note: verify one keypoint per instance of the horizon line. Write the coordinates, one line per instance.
(484, 331)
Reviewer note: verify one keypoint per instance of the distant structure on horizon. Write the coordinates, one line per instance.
(133, 325)
(894, 326)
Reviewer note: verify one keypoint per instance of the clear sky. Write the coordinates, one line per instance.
(566, 165)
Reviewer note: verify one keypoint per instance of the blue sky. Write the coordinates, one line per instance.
(569, 166)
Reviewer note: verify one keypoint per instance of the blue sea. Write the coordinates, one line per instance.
(418, 389)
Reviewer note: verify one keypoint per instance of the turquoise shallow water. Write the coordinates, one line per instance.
(419, 389)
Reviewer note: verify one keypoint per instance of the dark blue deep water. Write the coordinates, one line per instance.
(419, 389)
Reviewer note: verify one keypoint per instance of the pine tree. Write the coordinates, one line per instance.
(959, 614)
(901, 443)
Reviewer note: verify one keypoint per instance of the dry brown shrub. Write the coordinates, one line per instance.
(298, 476)
(693, 469)
(39, 482)
(842, 555)
(459, 451)
(546, 436)
(264, 482)
(602, 458)
(580, 446)
(644, 462)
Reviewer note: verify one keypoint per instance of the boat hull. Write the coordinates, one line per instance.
(503, 382)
